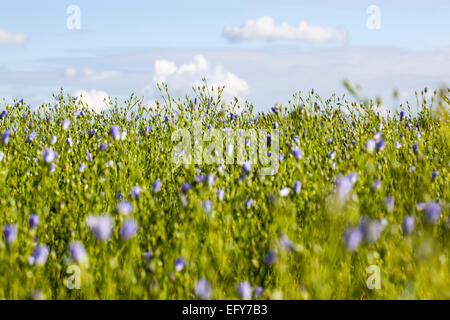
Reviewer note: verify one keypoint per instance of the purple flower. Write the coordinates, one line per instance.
(284, 192)
(6, 136)
(53, 139)
(371, 230)
(245, 290)
(402, 114)
(10, 233)
(125, 207)
(103, 146)
(203, 289)
(258, 292)
(48, 155)
(297, 152)
(249, 203)
(344, 186)
(115, 132)
(128, 229)
(286, 243)
(220, 194)
(179, 264)
(352, 238)
(432, 211)
(207, 205)
(157, 185)
(434, 175)
(408, 224)
(31, 137)
(65, 124)
(389, 203)
(297, 186)
(271, 257)
(148, 256)
(247, 167)
(136, 191)
(101, 226)
(376, 184)
(275, 125)
(186, 187)
(82, 167)
(69, 141)
(78, 252)
(380, 144)
(40, 255)
(3, 114)
(33, 221)
(52, 167)
(415, 148)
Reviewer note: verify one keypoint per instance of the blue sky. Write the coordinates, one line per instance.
(125, 47)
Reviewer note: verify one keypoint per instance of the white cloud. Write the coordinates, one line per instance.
(181, 79)
(12, 38)
(90, 74)
(265, 29)
(94, 100)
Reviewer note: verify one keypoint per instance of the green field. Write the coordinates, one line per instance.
(372, 190)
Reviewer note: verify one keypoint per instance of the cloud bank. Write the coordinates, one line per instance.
(180, 79)
(266, 29)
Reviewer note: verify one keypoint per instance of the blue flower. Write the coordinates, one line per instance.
(380, 144)
(10, 233)
(179, 264)
(376, 184)
(258, 291)
(103, 146)
(82, 167)
(220, 194)
(78, 252)
(344, 186)
(207, 205)
(245, 290)
(31, 136)
(297, 186)
(284, 192)
(65, 124)
(371, 230)
(247, 167)
(101, 226)
(297, 152)
(125, 207)
(3, 114)
(33, 221)
(434, 175)
(271, 257)
(136, 191)
(352, 238)
(415, 148)
(115, 132)
(203, 289)
(389, 203)
(48, 155)
(69, 141)
(408, 224)
(249, 203)
(53, 139)
(40, 255)
(186, 187)
(157, 185)
(286, 243)
(128, 229)
(432, 211)
(6, 136)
